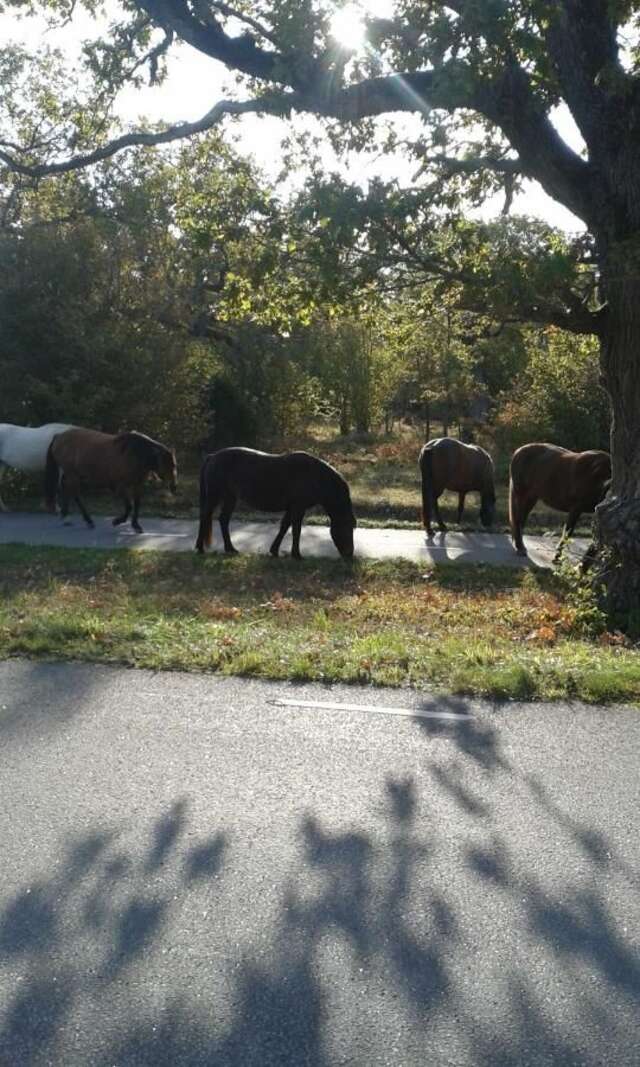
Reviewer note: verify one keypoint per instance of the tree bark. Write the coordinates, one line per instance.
(617, 524)
(345, 421)
(427, 422)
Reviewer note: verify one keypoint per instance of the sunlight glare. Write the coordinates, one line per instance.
(347, 27)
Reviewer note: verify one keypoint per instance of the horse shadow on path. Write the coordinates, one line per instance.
(374, 905)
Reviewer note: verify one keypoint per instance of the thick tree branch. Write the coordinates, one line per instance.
(582, 42)
(152, 57)
(232, 12)
(470, 165)
(506, 100)
(140, 137)
(239, 53)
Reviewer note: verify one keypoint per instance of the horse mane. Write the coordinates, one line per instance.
(340, 492)
(138, 445)
(488, 474)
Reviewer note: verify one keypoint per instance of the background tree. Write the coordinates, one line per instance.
(499, 69)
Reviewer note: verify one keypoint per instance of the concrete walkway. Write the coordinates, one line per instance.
(178, 535)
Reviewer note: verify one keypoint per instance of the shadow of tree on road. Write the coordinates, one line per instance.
(99, 909)
(374, 906)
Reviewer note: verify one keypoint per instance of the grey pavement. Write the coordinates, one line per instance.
(178, 535)
(193, 874)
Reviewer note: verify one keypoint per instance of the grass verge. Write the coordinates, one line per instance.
(470, 629)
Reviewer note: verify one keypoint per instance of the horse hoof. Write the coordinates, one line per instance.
(521, 551)
(137, 527)
(274, 554)
(231, 552)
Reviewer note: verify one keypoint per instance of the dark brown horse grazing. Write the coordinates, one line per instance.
(575, 482)
(446, 463)
(121, 463)
(291, 482)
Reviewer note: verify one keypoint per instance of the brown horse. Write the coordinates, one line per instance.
(574, 482)
(104, 461)
(446, 463)
(291, 482)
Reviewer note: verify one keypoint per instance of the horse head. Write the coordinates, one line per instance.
(154, 457)
(342, 525)
(167, 467)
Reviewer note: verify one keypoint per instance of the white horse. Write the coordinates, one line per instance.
(26, 447)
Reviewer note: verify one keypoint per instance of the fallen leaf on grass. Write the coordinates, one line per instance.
(219, 612)
(279, 603)
(615, 638)
(542, 633)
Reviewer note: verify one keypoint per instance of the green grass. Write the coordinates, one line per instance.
(383, 475)
(477, 630)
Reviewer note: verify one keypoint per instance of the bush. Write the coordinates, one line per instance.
(557, 397)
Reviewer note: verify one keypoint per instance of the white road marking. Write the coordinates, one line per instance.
(380, 709)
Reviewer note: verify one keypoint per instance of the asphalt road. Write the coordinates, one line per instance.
(178, 535)
(193, 875)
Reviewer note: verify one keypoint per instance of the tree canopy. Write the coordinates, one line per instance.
(483, 78)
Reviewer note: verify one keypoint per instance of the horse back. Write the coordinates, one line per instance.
(458, 466)
(25, 447)
(273, 482)
(93, 456)
(562, 479)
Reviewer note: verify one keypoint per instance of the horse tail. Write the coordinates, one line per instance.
(426, 467)
(205, 530)
(51, 479)
(513, 517)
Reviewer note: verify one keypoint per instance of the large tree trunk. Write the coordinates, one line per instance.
(617, 525)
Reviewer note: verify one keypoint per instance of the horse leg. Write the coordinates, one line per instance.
(136, 509)
(520, 511)
(83, 511)
(427, 510)
(119, 519)
(569, 527)
(461, 498)
(296, 527)
(427, 495)
(284, 526)
(208, 505)
(63, 498)
(436, 507)
(228, 504)
(571, 523)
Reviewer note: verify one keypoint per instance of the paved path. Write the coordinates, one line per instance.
(178, 535)
(194, 876)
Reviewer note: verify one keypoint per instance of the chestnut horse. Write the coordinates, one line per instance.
(118, 462)
(574, 482)
(291, 482)
(447, 463)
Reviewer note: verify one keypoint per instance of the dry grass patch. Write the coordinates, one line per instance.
(468, 629)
